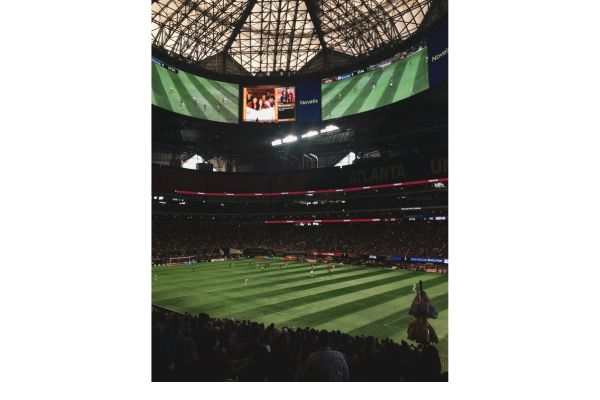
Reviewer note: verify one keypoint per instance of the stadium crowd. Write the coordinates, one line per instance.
(410, 239)
(200, 348)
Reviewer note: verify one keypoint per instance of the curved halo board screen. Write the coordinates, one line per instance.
(194, 96)
(379, 86)
(269, 103)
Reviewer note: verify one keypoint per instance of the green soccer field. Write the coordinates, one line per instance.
(215, 100)
(354, 300)
(399, 80)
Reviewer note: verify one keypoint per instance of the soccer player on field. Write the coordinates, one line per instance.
(246, 282)
(311, 273)
(414, 289)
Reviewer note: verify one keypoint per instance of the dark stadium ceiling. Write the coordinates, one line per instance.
(281, 35)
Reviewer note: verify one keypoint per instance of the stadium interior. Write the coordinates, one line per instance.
(299, 190)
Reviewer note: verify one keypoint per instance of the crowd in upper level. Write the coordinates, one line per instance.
(408, 239)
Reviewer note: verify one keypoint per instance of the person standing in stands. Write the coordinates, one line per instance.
(325, 364)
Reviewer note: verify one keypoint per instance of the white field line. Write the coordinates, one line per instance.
(394, 320)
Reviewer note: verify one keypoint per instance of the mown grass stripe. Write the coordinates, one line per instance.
(334, 107)
(235, 277)
(440, 325)
(196, 109)
(408, 78)
(363, 96)
(227, 101)
(356, 305)
(230, 90)
(422, 79)
(354, 299)
(338, 277)
(325, 296)
(225, 114)
(307, 286)
(387, 313)
(396, 76)
(159, 94)
(170, 91)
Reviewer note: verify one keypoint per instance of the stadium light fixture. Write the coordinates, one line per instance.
(276, 142)
(329, 128)
(310, 134)
(290, 139)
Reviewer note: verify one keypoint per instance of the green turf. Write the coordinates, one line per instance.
(355, 300)
(220, 98)
(355, 95)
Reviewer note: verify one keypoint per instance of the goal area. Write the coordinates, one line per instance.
(181, 260)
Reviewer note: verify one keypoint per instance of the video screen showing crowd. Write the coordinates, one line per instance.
(269, 104)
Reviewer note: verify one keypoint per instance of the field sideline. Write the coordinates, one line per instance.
(354, 300)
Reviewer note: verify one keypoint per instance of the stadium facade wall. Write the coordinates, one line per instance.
(409, 168)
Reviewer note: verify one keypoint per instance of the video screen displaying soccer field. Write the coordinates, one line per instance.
(343, 96)
(194, 96)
